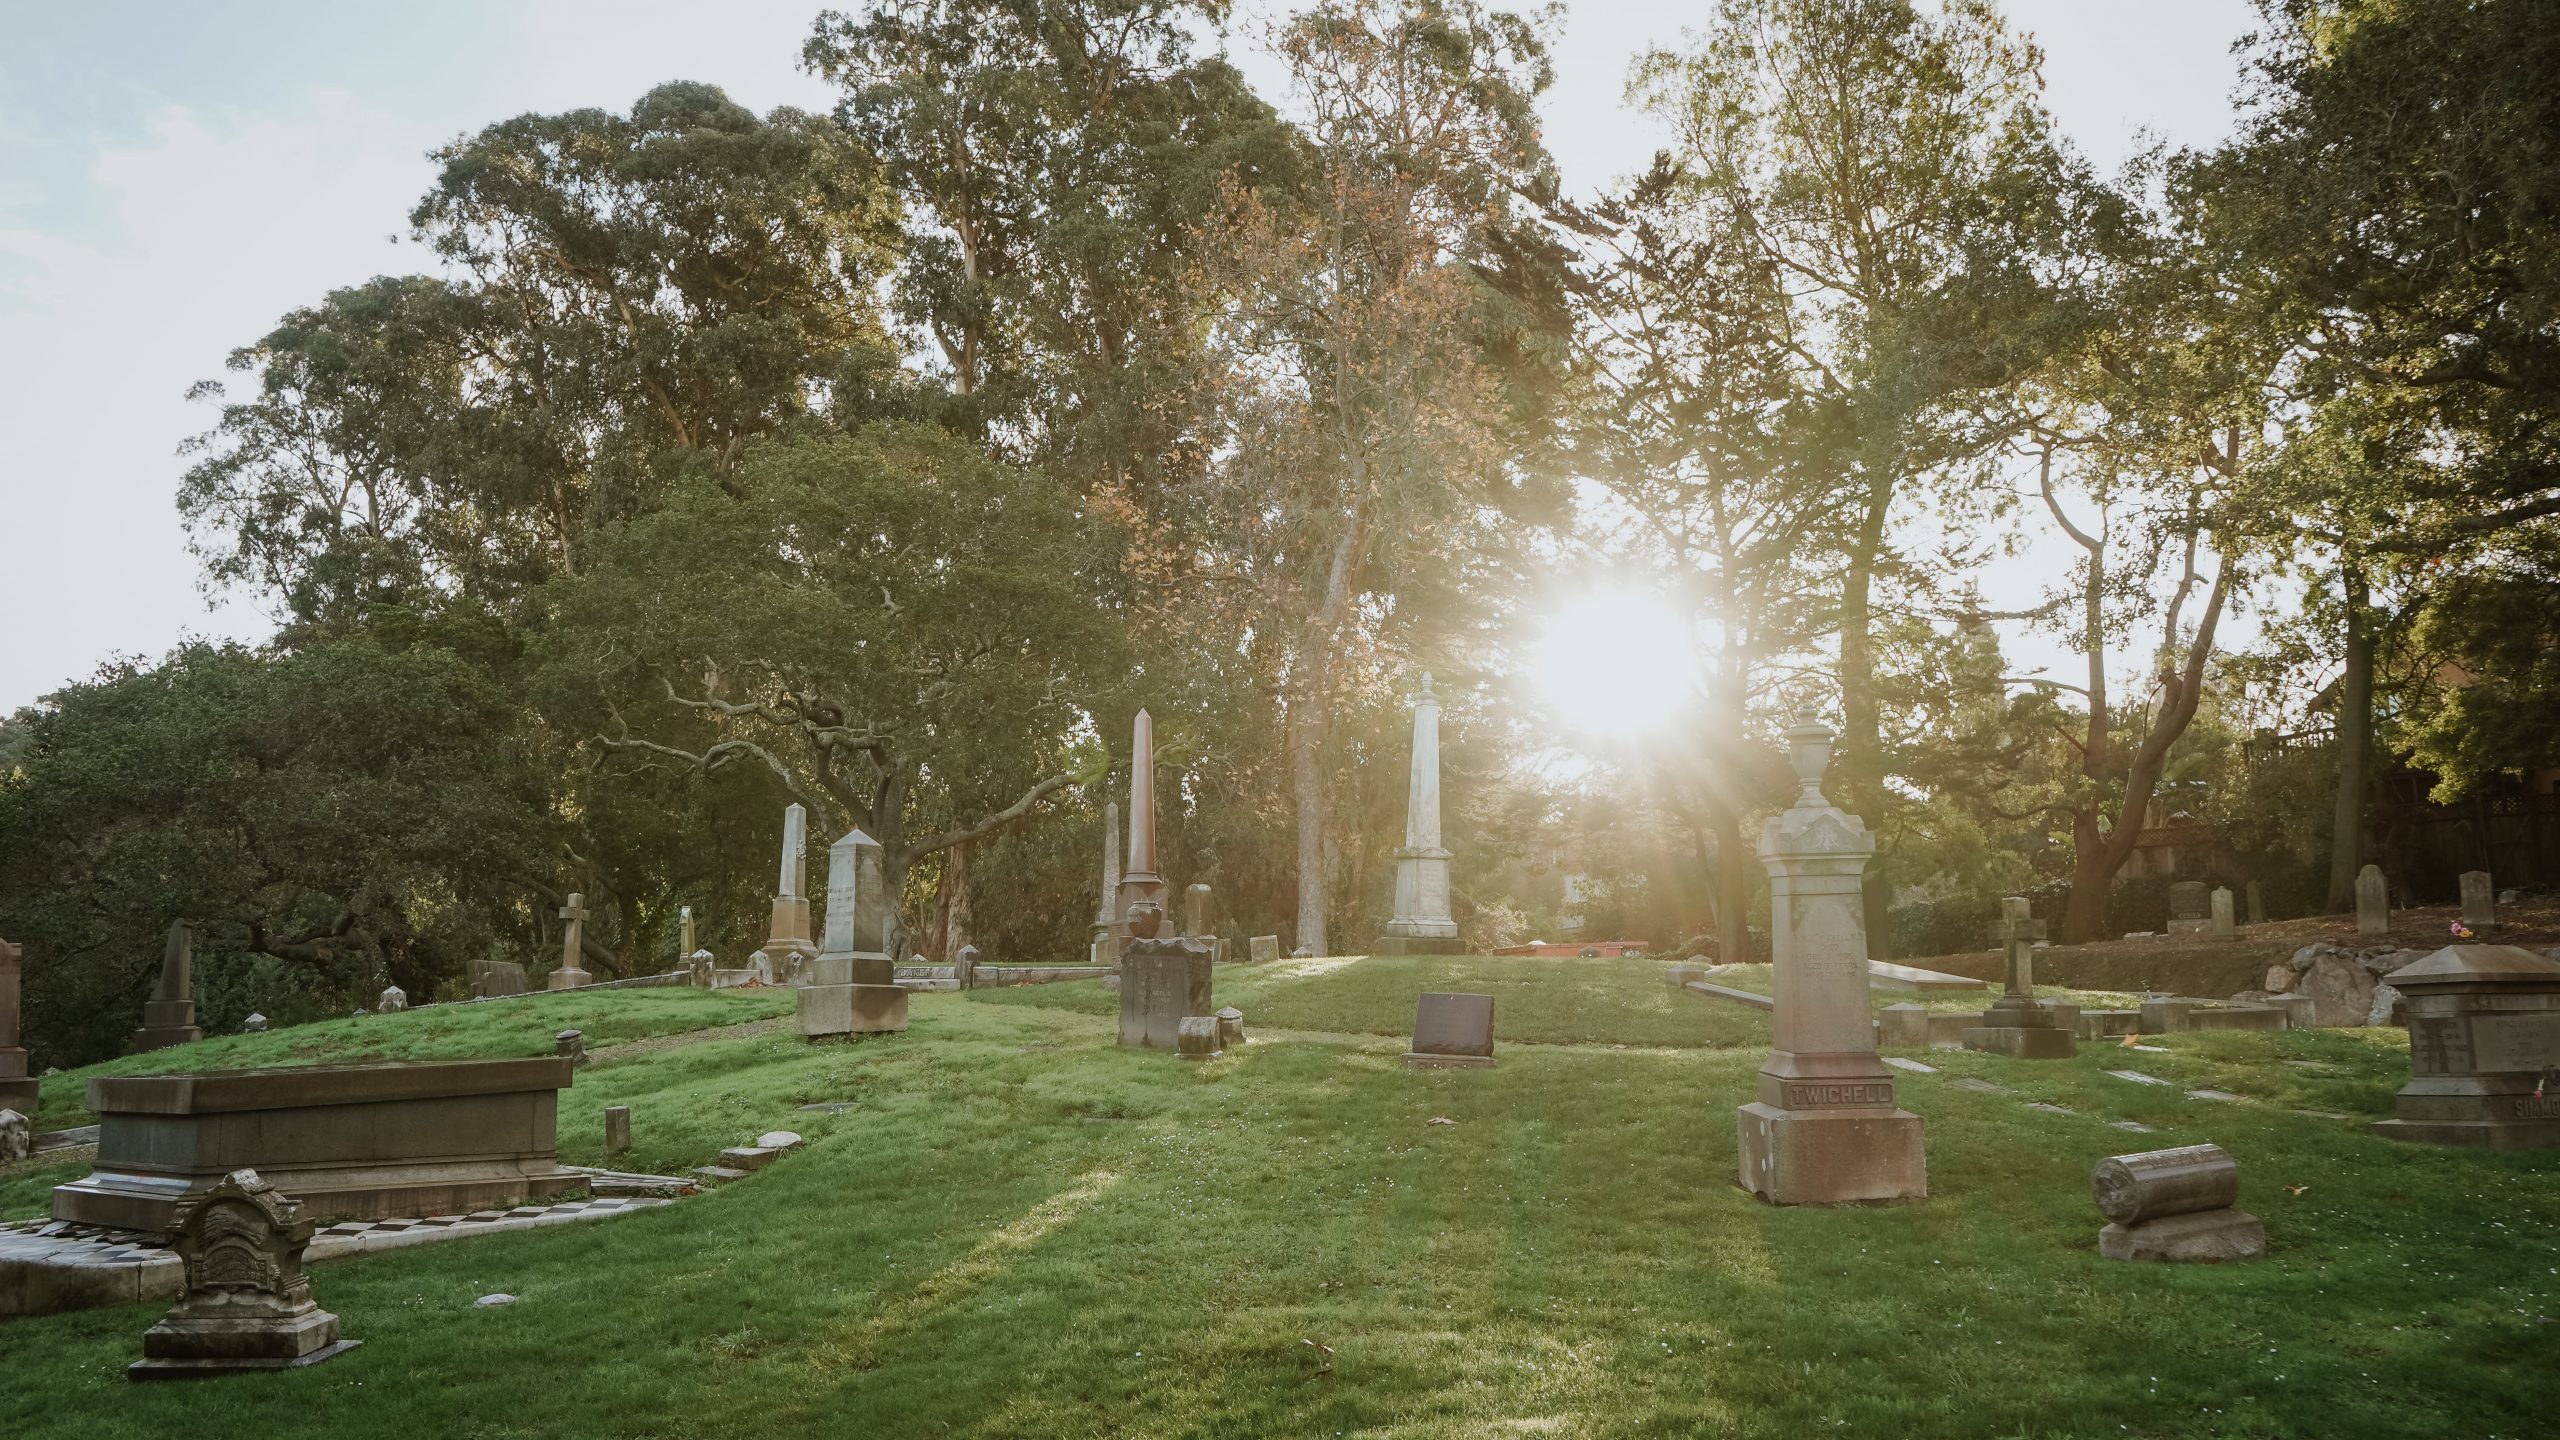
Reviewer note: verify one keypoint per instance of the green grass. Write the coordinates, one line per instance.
(1022, 1230)
(1758, 978)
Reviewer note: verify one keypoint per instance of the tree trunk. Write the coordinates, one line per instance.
(1306, 785)
(2354, 747)
(1732, 888)
(951, 900)
(1861, 754)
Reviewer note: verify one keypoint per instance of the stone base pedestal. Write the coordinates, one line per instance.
(166, 1023)
(2207, 1237)
(2477, 1112)
(567, 978)
(1416, 1060)
(852, 1009)
(184, 1347)
(1832, 1157)
(2476, 1134)
(2020, 1042)
(1420, 945)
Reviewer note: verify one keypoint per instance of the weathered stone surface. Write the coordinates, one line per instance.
(1903, 1025)
(827, 1010)
(1196, 1037)
(493, 978)
(1422, 923)
(2225, 918)
(1140, 885)
(2279, 979)
(17, 1091)
(1230, 1027)
(1832, 1157)
(245, 1303)
(17, 1136)
(2256, 903)
(569, 975)
(1161, 982)
(169, 1016)
(2209, 1237)
(2190, 907)
(352, 1141)
(2373, 902)
(2107, 1024)
(2479, 901)
(571, 1045)
(2387, 1007)
(2301, 1012)
(617, 1129)
(851, 985)
(253, 1024)
(392, 1001)
(2153, 1183)
(2341, 991)
(2484, 1040)
(1263, 949)
(1453, 1024)
(2022, 1042)
(2165, 1014)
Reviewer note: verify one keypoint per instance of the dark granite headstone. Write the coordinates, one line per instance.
(1452, 1030)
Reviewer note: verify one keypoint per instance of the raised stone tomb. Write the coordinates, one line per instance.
(2484, 1049)
(357, 1142)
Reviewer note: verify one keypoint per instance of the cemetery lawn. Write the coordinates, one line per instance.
(1022, 1230)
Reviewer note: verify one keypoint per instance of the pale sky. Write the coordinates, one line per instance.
(175, 176)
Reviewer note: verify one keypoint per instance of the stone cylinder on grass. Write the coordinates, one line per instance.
(2174, 1205)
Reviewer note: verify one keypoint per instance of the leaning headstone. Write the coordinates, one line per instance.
(1825, 1129)
(1197, 1038)
(2174, 1205)
(2189, 907)
(2484, 1049)
(169, 1016)
(17, 1090)
(2225, 923)
(1263, 949)
(1451, 1032)
(573, 938)
(2016, 1025)
(2479, 901)
(1162, 981)
(394, 999)
(244, 1304)
(617, 1129)
(2257, 903)
(964, 967)
(255, 1024)
(2373, 902)
(853, 987)
(17, 1136)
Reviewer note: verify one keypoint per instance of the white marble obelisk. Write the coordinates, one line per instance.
(788, 950)
(1422, 924)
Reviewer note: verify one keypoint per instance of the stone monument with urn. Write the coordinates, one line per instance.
(1825, 1129)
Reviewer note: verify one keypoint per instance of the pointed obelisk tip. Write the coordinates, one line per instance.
(1142, 795)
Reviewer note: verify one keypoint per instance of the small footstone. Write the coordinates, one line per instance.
(2136, 1126)
(1982, 1087)
(2150, 1049)
(1915, 1067)
(2216, 1095)
(829, 1107)
(778, 1140)
(485, 1301)
(719, 1173)
(2050, 1109)
(2137, 1077)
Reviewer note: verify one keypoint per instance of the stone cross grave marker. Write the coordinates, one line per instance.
(572, 941)
(2016, 1025)
(2373, 902)
(1451, 1031)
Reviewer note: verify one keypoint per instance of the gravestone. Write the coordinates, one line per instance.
(2257, 902)
(1422, 924)
(964, 967)
(17, 1089)
(244, 1304)
(2479, 901)
(788, 950)
(17, 1136)
(1451, 1031)
(2484, 1049)
(2015, 1025)
(570, 975)
(1263, 949)
(1196, 1038)
(571, 1045)
(1196, 911)
(853, 987)
(700, 968)
(256, 1024)
(169, 1016)
(1139, 882)
(2190, 908)
(684, 936)
(1230, 1027)
(493, 978)
(1162, 982)
(2373, 902)
(393, 1000)
(617, 1129)
(1106, 916)
(2225, 923)
(1825, 1128)
(2174, 1205)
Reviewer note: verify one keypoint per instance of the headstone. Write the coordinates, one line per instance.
(684, 934)
(493, 978)
(571, 1045)
(1230, 1027)
(2257, 903)
(2479, 901)
(1196, 921)
(570, 975)
(1825, 1128)
(394, 999)
(17, 1090)
(2174, 1205)
(2301, 1012)
(1162, 981)
(853, 987)
(2373, 902)
(1139, 883)
(169, 1016)
(244, 1304)
(2189, 907)
(1263, 949)
(1196, 1038)
(17, 1136)
(2484, 1049)
(964, 967)
(788, 947)
(2016, 1025)
(1903, 1025)
(701, 965)
(1451, 1032)
(2226, 924)
(1422, 924)
(256, 1024)
(1106, 915)
(617, 1129)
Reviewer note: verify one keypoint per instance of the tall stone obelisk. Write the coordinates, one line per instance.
(1422, 925)
(788, 950)
(169, 1016)
(853, 983)
(1139, 882)
(1825, 1129)
(1106, 912)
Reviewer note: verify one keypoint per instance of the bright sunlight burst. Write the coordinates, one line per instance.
(1614, 663)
